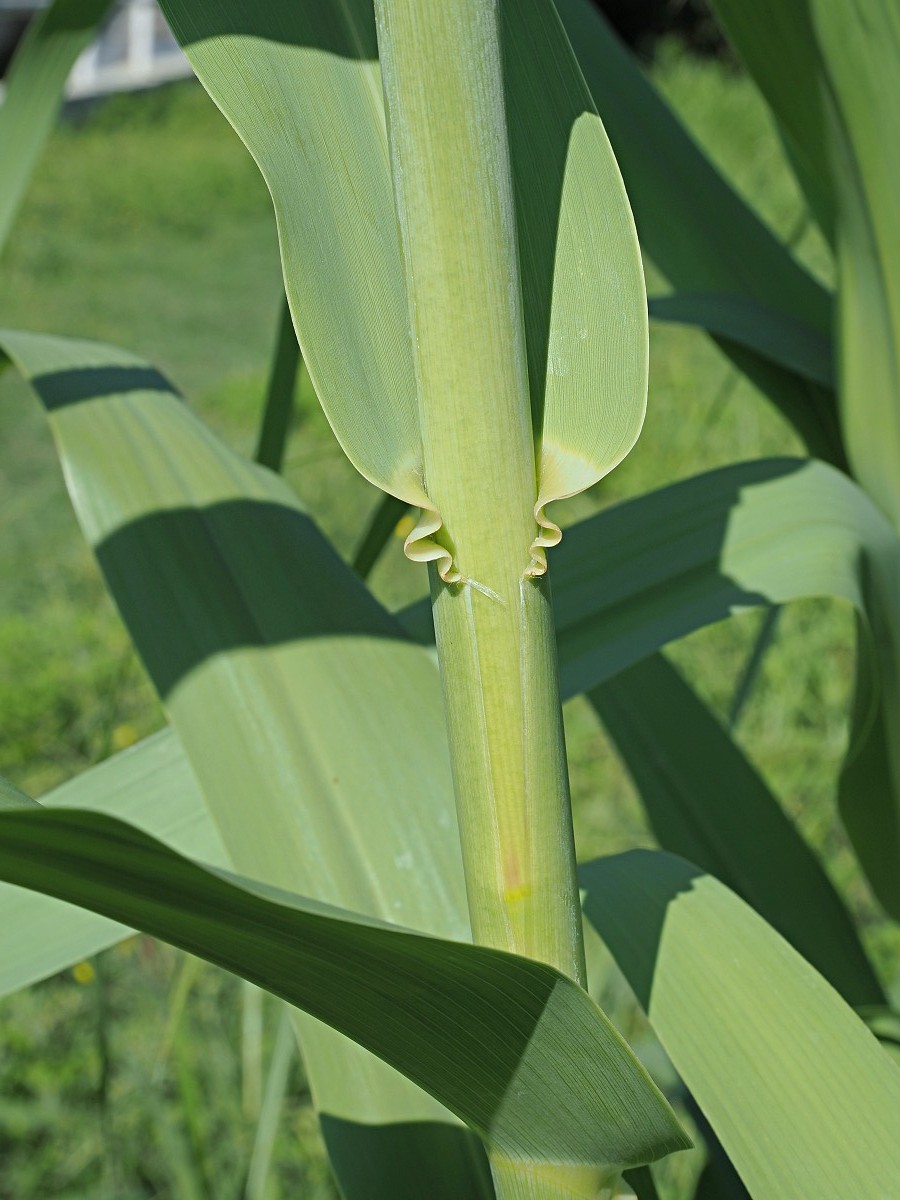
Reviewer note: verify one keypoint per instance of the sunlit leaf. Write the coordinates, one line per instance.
(150, 786)
(802, 1096)
(518, 1051)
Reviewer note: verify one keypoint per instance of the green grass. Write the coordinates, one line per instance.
(148, 226)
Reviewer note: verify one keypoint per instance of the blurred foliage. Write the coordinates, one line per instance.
(642, 23)
(102, 1094)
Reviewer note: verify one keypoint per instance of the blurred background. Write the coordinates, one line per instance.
(141, 1073)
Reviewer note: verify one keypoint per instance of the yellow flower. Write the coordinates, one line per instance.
(124, 736)
(84, 972)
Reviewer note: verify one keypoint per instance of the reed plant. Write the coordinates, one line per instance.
(383, 838)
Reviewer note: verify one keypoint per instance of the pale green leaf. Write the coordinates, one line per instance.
(744, 536)
(803, 1098)
(722, 247)
(34, 90)
(734, 539)
(518, 1051)
(306, 76)
(266, 650)
(150, 786)
(300, 84)
(582, 279)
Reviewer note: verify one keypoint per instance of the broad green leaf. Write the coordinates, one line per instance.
(829, 72)
(518, 1051)
(803, 1098)
(733, 539)
(650, 570)
(301, 86)
(34, 89)
(150, 786)
(722, 248)
(774, 335)
(749, 535)
(267, 650)
(706, 803)
(582, 279)
(306, 75)
(687, 815)
(777, 41)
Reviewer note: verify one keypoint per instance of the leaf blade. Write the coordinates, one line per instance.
(679, 756)
(483, 1031)
(34, 90)
(582, 278)
(810, 1101)
(149, 785)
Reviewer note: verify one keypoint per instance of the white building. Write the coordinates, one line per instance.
(134, 49)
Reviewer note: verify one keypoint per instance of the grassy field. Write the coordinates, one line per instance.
(149, 227)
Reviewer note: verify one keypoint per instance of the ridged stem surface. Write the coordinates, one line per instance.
(443, 82)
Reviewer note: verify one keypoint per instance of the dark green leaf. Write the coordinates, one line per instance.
(518, 1051)
(706, 803)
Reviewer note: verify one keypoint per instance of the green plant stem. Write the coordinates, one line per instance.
(279, 394)
(252, 1019)
(515, 1182)
(442, 74)
(500, 689)
(277, 1078)
(752, 667)
(381, 525)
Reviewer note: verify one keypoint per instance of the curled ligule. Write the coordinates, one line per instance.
(549, 535)
(421, 546)
(561, 473)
